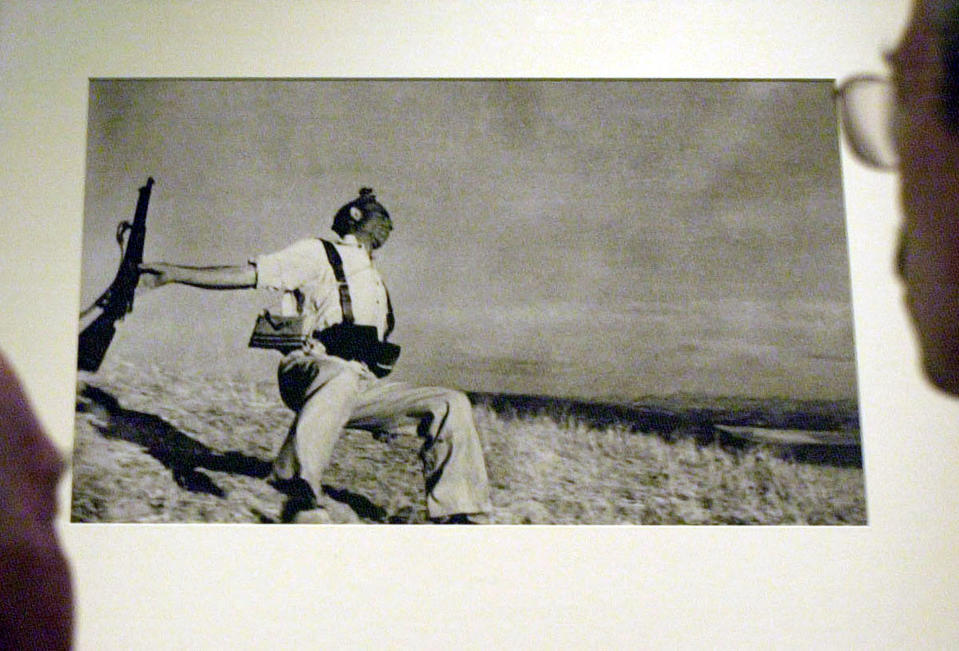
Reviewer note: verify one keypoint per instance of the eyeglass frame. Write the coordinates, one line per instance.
(846, 119)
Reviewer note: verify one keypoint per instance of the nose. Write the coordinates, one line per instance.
(49, 463)
(26, 453)
(43, 468)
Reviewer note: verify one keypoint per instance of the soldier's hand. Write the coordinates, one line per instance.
(154, 274)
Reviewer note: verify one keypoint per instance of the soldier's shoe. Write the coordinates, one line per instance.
(295, 505)
(318, 515)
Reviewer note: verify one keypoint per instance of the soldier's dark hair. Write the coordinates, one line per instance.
(345, 222)
(948, 27)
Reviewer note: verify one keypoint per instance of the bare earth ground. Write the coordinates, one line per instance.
(154, 445)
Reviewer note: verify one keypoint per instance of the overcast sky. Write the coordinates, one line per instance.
(577, 238)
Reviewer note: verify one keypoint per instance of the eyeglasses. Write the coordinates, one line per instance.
(867, 110)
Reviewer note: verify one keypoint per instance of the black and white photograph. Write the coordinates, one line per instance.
(632, 279)
(452, 301)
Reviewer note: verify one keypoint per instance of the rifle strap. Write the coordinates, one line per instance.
(346, 302)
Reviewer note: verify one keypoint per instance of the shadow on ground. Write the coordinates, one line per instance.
(180, 453)
(185, 456)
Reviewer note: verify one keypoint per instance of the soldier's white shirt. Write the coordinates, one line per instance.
(304, 272)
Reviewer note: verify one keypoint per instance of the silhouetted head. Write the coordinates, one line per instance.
(925, 71)
(36, 602)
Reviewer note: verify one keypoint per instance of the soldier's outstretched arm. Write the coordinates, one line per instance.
(156, 274)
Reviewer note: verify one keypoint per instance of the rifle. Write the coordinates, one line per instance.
(117, 300)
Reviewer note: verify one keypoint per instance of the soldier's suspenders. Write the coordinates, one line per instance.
(346, 302)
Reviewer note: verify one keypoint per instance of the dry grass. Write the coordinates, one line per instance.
(192, 447)
(614, 476)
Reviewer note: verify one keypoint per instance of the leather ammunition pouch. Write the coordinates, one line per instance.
(283, 333)
(357, 342)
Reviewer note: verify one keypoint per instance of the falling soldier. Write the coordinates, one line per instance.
(333, 329)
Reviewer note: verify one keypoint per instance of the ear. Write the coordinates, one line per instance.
(356, 214)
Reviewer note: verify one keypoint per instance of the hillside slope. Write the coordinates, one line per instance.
(157, 445)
